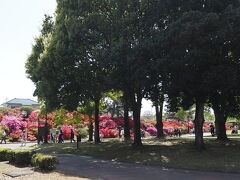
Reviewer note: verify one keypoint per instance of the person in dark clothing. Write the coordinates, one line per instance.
(60, 137)
(119, 131)
(212, 130)
(72, 136)
(176, 132)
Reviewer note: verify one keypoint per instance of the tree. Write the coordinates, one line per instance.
(132, 30)
(190, 59)
(199, 50)
(223, 78)
(43, 78)
(72, 64)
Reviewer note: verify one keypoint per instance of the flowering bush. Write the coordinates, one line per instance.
(15, 135)
(108, 123)
(109, 133)
(152, 131)
(13, 122)
(66, 129)
(32, 133)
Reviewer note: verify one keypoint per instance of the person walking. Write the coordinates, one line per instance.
(24, 138)
(60, 136)
(212, 129)
(72, 136)
(4, 135)
(53, 135)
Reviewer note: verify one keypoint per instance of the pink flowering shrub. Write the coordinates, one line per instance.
(108, 123)
(13, 122)
(66, 130)
(152, 131)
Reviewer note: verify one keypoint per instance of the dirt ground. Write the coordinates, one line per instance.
(5, 167)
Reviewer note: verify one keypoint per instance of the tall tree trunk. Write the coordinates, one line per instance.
(96, 132)
(136, 119)
(126, 123)
(90, 129)
(159, 125)
(220, 121)
(199, 120)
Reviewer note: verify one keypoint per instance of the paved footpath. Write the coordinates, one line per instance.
(17, 145)
(93, 168)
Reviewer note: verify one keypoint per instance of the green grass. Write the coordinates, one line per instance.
(169, 152)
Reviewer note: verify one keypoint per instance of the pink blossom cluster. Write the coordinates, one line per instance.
(13, 122)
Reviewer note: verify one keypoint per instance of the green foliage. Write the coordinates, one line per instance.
(60, 116)
(87, 108)
(44, 162)
(3, 154)
(76, 119)
(181, 114)
(83, 132)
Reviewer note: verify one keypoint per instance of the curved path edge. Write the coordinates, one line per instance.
(99, 169)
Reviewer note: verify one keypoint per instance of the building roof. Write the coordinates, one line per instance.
(23, 102)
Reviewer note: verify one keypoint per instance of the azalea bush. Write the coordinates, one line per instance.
(152, 131)
(15, 135)
(13, 122)
(66, 130)
(108, 124)
(109, 133)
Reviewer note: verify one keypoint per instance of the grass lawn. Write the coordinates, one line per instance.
(169, 152)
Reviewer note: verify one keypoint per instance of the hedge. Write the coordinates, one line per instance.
(20, 157)
(3, 154)
(44, 162)
(11, 156)
(27, 157)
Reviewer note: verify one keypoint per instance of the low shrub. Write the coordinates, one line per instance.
(3, 154)
(44, 162)
(20, 157)
(10, 156)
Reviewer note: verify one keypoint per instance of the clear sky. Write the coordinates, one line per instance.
(20, 22)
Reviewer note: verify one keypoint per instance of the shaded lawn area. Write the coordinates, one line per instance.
(169, 152)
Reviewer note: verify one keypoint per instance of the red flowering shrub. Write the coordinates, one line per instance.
(66, 129)
(109, 133)
(15, 135)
